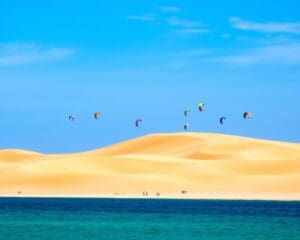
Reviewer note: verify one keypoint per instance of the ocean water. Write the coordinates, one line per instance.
(75, 218)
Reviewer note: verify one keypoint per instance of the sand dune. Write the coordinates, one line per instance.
(206, 165)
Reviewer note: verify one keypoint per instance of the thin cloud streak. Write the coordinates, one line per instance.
(187, 26)
(277, 54)
(178, 22)
(184, 26)
(266, 27)
(27, 53)
(143, 18)
(193, 31)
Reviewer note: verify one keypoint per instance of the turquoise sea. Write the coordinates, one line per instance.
(77, 218)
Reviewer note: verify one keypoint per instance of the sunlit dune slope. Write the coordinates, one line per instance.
(204, 164)
(15, 156)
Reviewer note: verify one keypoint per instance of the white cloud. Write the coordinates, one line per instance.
(144, 18)
(266, 27)
(26, 53)
(288, 54)
(169, 9)
(183, 26)
(193, 31)
(178, 22)
(187, 26)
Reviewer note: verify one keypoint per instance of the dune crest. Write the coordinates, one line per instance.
(206, 165)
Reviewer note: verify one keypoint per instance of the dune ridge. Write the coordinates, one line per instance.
(206, 165)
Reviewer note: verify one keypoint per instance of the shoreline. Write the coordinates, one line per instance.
(191, 196)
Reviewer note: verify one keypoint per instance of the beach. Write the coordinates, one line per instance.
(178, 165)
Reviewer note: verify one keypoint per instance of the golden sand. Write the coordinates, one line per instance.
(205, 165)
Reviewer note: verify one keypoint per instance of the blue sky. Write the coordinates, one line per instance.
(151, 60)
